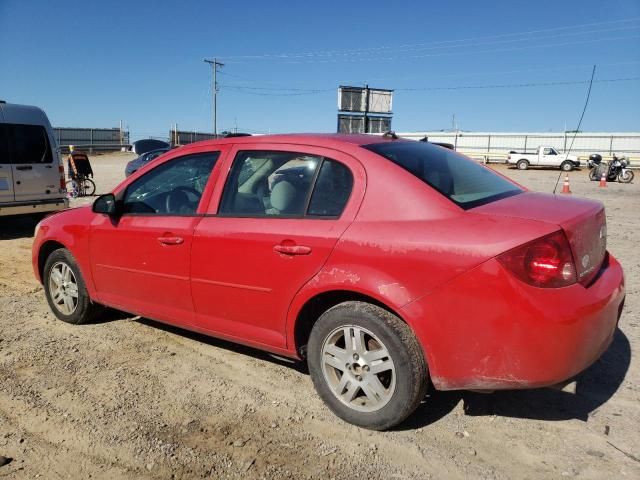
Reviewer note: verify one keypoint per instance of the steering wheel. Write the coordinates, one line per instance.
(177, 198)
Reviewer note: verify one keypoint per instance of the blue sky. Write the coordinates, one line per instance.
(93, 63)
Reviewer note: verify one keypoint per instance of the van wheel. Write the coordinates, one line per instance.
(366, 365)
(522, 164)
(65, 289)
(566, 166)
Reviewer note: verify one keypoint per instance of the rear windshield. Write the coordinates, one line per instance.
(24, 144)
(460, 179)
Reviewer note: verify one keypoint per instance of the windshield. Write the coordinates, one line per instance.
(460, 179)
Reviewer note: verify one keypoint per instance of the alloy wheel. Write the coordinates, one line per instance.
(358, 368)
(63, 288)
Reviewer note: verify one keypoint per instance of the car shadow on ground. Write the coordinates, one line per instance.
(594, 387)
(296, 365)
(12, 228)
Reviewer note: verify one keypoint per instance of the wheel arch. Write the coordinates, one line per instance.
(313, 307)
(51, 245)
(46, 249)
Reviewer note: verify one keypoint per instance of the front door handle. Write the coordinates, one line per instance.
(292, 249)
(171, 240)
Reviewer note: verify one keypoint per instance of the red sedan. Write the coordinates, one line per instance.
(387, 264)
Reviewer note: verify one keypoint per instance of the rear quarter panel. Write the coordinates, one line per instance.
(407, 241)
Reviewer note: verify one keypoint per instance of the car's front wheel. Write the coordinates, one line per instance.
(65, 289)
(367, 365)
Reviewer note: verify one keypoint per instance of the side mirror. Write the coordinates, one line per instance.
(105, 204)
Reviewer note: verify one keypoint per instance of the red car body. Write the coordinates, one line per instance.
(398, 243)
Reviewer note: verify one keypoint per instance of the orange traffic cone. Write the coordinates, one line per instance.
(565, 185)
(603, 180)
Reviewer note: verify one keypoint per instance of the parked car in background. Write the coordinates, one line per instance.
(147, 144)
(388, 265)
(543, 157)
(31, 172)
(135, 164)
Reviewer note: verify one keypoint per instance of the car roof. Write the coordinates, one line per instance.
(23, 114)
(313, 139)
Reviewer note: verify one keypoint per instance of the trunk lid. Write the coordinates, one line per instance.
(583, 221)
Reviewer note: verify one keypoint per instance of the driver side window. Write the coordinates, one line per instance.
(173, 188)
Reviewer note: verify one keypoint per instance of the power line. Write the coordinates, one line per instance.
(446, 54)
(279, 92)
(361, 51)
(248, 81)
(575, 133)
(521, 85)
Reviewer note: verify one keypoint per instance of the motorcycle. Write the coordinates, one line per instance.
(615, 171)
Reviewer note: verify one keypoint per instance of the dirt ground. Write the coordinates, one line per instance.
(131, 398)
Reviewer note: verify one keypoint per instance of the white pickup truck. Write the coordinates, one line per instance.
(544, 157)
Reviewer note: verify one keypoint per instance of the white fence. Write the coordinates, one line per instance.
(497, 145)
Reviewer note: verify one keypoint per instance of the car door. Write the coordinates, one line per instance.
(549, 157)
(282, 211)
(140, 259)
(35, 174)
(6, 172)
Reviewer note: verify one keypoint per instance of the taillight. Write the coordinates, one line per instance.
(63, 186)
(545, 262)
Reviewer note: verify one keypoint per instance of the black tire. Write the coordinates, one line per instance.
(89, 186)
(522, 164)
(566, 166)
(84, 309)
(627, 178)
(593, 174)
(405, 386)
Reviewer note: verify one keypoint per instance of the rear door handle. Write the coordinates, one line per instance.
(292, 249)
(25, 167)
(171, 240)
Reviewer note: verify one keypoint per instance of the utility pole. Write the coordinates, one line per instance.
(214, 90)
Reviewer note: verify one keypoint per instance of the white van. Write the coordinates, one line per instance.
(31, 172)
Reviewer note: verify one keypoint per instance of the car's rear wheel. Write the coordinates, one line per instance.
(522, 164)
(65, 289)
(367, 365)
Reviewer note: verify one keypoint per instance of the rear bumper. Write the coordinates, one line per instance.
(487, 330)
(26, 208)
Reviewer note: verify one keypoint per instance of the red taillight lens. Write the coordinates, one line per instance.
(63, 186)
(545, 262)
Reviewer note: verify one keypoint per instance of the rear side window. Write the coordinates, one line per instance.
(285, 184)
(269, 183)
(4, 145)
(29, 144)
(332, 190)
(460, 179)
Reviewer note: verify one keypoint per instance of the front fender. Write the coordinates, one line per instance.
(70, 230)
